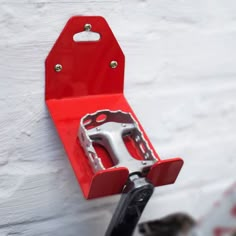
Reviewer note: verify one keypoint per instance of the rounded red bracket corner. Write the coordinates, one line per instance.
(85, 65)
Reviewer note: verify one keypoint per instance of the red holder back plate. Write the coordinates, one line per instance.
(86, 84)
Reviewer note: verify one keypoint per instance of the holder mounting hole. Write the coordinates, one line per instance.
(86, 36)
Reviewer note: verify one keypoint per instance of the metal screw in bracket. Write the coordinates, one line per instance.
(58, 67)
(87, 27)
(113, 64)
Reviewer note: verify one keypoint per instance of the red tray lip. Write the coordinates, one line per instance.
(67, 101)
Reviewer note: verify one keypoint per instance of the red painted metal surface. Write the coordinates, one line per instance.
(86, 84)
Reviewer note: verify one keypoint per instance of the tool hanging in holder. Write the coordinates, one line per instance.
(105, 143)
(115, 130)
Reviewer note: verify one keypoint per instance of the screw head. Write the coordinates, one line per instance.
(87, 27)
(113, 64)
(58, 67)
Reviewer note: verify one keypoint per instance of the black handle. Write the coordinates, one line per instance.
(133, 200)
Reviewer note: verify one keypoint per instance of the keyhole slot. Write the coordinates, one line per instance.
(86, 36)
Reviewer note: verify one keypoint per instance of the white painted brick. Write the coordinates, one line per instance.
(180, 80)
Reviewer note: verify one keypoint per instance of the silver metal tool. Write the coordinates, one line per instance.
(108, 128)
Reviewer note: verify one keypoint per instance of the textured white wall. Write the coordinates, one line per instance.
(180, 80)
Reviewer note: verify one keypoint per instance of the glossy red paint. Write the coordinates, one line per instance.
(86, 84)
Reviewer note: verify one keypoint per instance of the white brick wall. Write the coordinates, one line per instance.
(180, 80)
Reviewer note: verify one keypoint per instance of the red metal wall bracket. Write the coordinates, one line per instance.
(84, 84)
